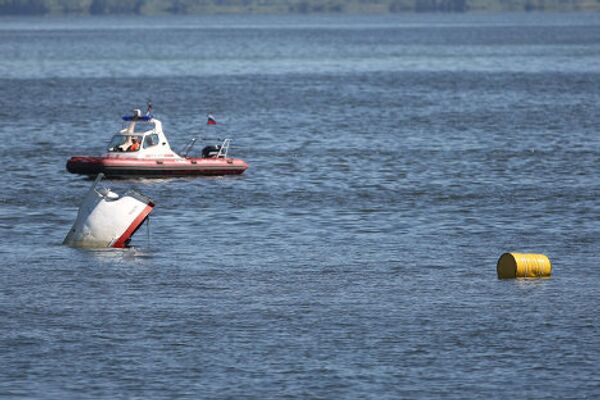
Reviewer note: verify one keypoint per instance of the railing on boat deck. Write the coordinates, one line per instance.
(223, 150)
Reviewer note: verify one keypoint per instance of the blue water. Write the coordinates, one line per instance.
(392, 161)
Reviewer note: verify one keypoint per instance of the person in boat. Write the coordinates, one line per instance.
(135, 146)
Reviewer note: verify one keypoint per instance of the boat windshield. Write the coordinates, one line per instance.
(125, 143)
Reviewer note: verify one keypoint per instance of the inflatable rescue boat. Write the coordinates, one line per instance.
(147, 153)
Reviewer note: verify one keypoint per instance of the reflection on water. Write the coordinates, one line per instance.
(126, 257)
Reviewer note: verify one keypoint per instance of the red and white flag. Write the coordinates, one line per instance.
(211, 120)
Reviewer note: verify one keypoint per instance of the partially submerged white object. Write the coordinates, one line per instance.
(106, 219)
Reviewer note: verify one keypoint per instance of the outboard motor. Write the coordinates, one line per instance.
(211, 151)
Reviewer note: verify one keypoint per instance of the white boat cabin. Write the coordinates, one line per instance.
(152, 142)
(148, 143)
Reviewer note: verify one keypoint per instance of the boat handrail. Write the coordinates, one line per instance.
(224, 149)
(187, 148)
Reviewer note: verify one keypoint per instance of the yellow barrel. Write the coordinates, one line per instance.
(519, 265)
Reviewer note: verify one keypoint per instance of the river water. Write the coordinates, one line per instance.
(392, 161)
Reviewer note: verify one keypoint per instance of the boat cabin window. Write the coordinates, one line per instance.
(150, 140)
(125, 143)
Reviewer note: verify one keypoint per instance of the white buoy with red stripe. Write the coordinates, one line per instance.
(106, 219)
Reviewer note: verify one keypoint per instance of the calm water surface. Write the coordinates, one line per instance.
(392, 161)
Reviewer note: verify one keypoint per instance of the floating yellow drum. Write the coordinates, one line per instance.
(519, 265)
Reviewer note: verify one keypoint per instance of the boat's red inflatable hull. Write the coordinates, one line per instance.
(125, 167)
